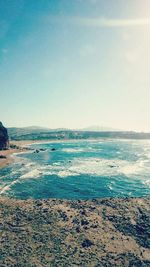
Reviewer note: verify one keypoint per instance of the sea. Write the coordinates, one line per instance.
(79, 170)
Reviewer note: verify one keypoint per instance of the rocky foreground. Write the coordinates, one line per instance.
(102, 232)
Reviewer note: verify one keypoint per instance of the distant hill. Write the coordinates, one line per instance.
(96, 128)
(31, 130)
(41, 133)
(26, 130)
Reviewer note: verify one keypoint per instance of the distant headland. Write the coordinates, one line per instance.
(41, 133)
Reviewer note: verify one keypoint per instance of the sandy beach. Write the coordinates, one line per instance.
(22, 146)
(9, 158)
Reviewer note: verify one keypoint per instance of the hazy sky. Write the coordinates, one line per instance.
(75, 63)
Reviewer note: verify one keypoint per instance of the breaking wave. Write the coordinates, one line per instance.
(111, 165)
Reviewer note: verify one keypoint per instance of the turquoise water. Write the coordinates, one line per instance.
(80, 170)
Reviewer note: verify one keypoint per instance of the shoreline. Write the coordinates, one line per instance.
(57, 232)
(23, 146)
(4, 162)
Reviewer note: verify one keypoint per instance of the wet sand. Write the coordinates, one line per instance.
(102, 232)
(9, 156)
(22, 146)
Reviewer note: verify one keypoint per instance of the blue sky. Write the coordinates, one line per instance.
(75, 63)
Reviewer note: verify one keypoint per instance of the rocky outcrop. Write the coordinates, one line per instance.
(52, 232)
(4, 140)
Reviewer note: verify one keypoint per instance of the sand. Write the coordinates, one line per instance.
(9, 158)
(22, 146)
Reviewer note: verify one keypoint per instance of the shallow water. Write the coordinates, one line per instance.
(80, 170)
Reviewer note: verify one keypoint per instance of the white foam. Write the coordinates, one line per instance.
(99, 167)
(73, 150)
(147, 183)
(35, 173)
(7, 187)
(88, 166)
(91, 166)
(66, 173)
(129, 169)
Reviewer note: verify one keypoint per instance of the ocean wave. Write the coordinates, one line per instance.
(7, 187)
(89, 162)
(73, 150)
(66, 173)
(35, 173)
(88, 166)
(146, 182)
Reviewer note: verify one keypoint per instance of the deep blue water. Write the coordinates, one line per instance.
(80, 170)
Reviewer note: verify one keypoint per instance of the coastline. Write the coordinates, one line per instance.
(23, 146)
(89, 233)
(53, 232)
(9, 153)
(4, 162)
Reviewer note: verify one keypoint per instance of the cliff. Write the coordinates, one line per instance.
(4, 140)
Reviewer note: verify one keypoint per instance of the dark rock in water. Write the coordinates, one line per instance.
(14, 146)
(4, 140)
(112, 166)
(2, 157)
(53, 149)
(36, 151)
(42, 149)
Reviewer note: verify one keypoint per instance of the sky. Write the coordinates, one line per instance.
(75, 63)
